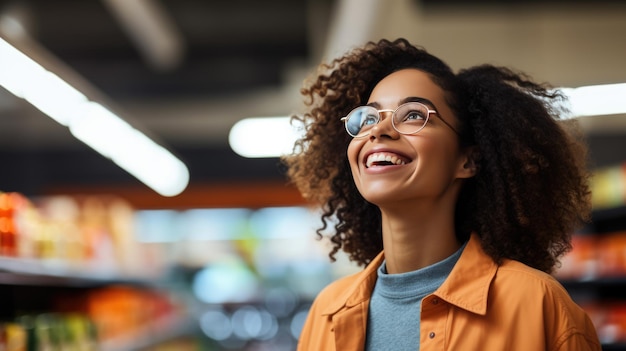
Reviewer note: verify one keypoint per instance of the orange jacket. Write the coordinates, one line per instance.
(480, 306)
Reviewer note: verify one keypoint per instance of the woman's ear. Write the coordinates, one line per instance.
(470, 162)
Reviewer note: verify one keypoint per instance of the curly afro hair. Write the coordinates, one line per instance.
(531, 191)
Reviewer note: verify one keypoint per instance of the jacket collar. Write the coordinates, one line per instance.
(359, 290)
(467, 286)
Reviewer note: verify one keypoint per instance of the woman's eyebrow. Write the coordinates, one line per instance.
(422, 100)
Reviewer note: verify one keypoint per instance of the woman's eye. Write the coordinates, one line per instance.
(370, 120)
(414, 115)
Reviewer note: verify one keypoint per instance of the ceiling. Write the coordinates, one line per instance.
(211, 63)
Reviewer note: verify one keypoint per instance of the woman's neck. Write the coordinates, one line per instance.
(418, 239)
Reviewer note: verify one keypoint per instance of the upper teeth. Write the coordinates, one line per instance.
(378, 157)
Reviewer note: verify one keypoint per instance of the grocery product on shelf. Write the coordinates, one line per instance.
(15, 219)
(594, 271)
(74, 277)
(609, 187)
(13, 337)
(124, 315)
(88, 233)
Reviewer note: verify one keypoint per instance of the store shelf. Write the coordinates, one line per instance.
(594, 273)
(594, 282)
(20, 271)
(157, 333)
(614, 347)
(609, 220)
(609, 213)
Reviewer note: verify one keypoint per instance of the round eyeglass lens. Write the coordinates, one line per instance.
(361, 120)
(410, 118)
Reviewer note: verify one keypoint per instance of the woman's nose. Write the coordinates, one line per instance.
(384, 127)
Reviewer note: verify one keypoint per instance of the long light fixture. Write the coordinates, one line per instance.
(259, 137)
(92, 123)
(274, 136)
(597, 100)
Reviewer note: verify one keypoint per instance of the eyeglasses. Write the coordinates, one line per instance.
(408, 118)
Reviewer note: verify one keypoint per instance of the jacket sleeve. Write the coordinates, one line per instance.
(580, 337)
(578, 341)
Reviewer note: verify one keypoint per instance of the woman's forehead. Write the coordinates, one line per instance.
(401, 84)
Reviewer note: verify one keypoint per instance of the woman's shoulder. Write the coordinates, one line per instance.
(519, 270)
(526, 280)
(531, 293)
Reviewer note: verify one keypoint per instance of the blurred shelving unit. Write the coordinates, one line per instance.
(59, 292)
(193, 278)
(594, 272)
(23, 292)
(21, 271)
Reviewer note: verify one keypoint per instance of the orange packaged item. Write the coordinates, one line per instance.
(612, 255)
(10, 203)
(13, 337)
(582, 261)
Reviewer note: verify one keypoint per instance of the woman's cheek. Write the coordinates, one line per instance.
(353, 152)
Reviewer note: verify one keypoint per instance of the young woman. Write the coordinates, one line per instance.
(458, 192)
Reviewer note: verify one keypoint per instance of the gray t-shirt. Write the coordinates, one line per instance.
(393, 321)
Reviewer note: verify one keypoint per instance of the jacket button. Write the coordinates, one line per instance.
(431, 335)
(435, 301)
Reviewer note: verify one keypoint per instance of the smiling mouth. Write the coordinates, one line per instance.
(384, 159)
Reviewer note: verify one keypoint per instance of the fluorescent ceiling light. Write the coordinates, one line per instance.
(130, 149)
(92, 123)
(597, 100)
(263, 137)
(274, 136)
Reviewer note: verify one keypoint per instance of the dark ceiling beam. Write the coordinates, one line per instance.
(152, 30)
